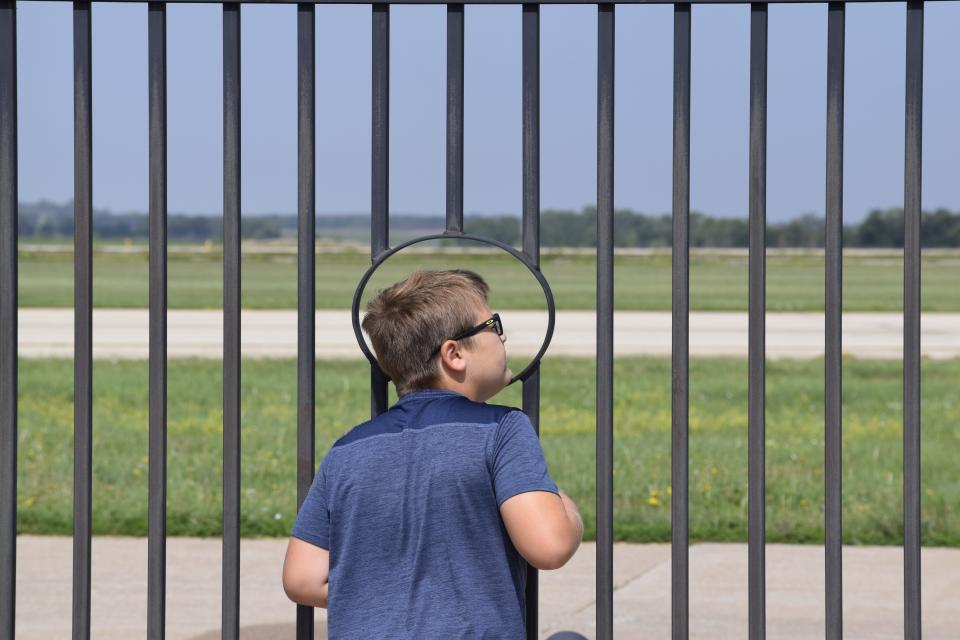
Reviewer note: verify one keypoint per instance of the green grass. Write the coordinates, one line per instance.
(872, 460)
(718, 281)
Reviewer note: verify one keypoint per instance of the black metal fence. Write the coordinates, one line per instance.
(454, 226)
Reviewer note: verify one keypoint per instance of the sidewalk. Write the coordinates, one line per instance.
(872, 582)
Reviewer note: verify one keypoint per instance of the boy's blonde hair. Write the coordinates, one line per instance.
(407, 321)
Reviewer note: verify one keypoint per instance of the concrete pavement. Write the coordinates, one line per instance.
(122, 333)
(872, 583)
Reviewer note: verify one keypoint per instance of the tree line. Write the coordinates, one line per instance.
(46, 220)
(881, 228)
(558, 228)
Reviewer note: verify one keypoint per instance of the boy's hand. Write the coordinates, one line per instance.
(571, 507)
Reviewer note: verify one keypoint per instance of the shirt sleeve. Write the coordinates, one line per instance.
(518, 464)
(313, 521)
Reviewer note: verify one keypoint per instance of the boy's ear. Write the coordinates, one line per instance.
(451, 355)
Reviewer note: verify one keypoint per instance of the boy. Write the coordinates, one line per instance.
(420, 523)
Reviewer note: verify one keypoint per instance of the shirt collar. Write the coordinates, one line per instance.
(424, 394)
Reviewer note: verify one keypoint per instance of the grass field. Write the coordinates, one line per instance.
(872, 478)
(718, 281)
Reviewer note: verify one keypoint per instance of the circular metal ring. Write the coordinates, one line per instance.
(547, 292)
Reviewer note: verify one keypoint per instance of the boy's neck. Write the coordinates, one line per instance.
(463, 388)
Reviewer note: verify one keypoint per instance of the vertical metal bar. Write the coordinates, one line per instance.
(230, 610)
(82, 318)
(531, 406)
(911, 320)
(833, 305)
(157, 497)
(680, 464)
(757, 307)
(605, 80)
(531, 132)
(531, 238)
(454, 118)
(380, 170)
(8, 317)
(306, 268)
(378, 392)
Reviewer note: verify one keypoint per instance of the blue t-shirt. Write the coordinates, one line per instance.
(408, 506)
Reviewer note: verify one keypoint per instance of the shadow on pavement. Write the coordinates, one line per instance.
(283, 631)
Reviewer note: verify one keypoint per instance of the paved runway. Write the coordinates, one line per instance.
(122, 333)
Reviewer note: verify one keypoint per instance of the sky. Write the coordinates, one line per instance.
(874, 99)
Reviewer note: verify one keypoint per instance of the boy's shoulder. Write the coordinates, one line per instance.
(456, 408)
(440, 409)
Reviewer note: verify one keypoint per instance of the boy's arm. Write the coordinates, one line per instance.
(541, 520)
(305, 573)
(545, 529)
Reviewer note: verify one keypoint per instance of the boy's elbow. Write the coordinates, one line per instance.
(300, 590)
(307, 598)
(554, 556)
(548, 562)
(293, 588)
(305, 574)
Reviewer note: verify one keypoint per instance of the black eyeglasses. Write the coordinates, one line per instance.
(493, 321)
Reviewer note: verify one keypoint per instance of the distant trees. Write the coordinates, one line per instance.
(558, 228)
(884, 228)
(881, 228)
(941, 228)
(506, 229)
(45, 219)
(48, 220)
(717, 232)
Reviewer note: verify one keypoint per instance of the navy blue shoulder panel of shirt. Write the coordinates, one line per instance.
(445, 407)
